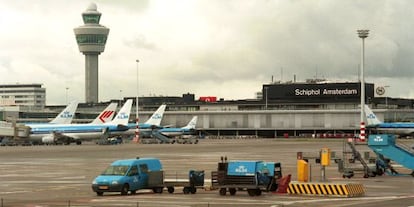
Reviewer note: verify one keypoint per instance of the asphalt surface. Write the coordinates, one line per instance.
(61, 175)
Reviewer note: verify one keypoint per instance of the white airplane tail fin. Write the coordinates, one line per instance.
(156, 117)
(192, 124)
(66, 116)
(371, 118)
(122, 117)
(106, 115)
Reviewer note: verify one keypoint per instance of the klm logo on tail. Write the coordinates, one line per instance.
(123, 116)
(371, 116)
(66, 114)
(157, 116)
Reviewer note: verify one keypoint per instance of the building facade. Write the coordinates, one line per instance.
(292, 109)
(30, 95)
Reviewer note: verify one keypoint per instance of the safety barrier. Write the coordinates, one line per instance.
(326, 189)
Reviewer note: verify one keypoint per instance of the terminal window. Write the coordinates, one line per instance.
(91, 18)
(91, 39)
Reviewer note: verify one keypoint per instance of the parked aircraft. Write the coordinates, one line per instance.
(399, 128)
(65, 116)
(106, 115)
(145, 128)
(186, 130)
(67, 133)
(155, 120)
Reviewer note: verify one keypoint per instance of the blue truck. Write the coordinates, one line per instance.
(131, 175)
(251, 176)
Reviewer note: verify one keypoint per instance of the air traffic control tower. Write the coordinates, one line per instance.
(91, 38)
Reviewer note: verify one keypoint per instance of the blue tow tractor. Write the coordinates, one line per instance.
(132, 175)
(251, 176)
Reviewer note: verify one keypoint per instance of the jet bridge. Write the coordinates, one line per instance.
(12, 134)
(8, 129)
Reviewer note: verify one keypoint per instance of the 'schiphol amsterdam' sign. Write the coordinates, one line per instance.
(317, 92)
(325, 91)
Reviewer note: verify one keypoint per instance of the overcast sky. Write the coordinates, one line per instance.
(223, 48)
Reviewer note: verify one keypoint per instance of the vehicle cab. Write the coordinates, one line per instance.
(126, 175)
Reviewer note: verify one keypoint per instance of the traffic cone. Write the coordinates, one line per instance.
(283, 184)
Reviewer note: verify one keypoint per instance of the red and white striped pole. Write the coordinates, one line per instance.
(136, 138)
(362, 132)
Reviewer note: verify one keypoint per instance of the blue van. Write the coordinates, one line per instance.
(126, 175)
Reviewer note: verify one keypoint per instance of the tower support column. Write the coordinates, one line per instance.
(91, 78)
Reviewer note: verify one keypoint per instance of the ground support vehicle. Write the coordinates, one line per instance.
(187, 139)
(348, 165)
(132, 175)
(149, 141)
(251, 176)
(158, 181)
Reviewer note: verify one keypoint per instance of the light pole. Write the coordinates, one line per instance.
(67, 88)
(120, 97)
(386, 97)
(362, 33)
(266, 97)
(136, 110)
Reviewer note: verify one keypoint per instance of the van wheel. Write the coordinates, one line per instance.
(170, 189)
(273, 187)
(99, 193)
(186, 190)
(223, 191)
(232, 191)
(125, 189)
(157, 190)
(193, 190)
(251, 192)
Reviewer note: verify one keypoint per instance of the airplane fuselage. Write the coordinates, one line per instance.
(173, 132)
(398, 128)
(77, 131)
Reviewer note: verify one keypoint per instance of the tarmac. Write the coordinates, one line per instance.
(44, 176)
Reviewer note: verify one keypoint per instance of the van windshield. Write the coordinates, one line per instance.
(116, 170)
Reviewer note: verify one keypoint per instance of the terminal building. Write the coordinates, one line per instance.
(303, 109)
(29, 95)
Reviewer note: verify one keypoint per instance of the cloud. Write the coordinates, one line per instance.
(208, 47)
(141, 42)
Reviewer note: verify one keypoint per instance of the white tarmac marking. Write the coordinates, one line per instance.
(12, 192)
(343, 199)
(43, 182)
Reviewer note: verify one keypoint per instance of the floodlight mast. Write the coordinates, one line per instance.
(362, 33)
(136, 110)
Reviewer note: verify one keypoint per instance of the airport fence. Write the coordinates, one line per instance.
(233, 137)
